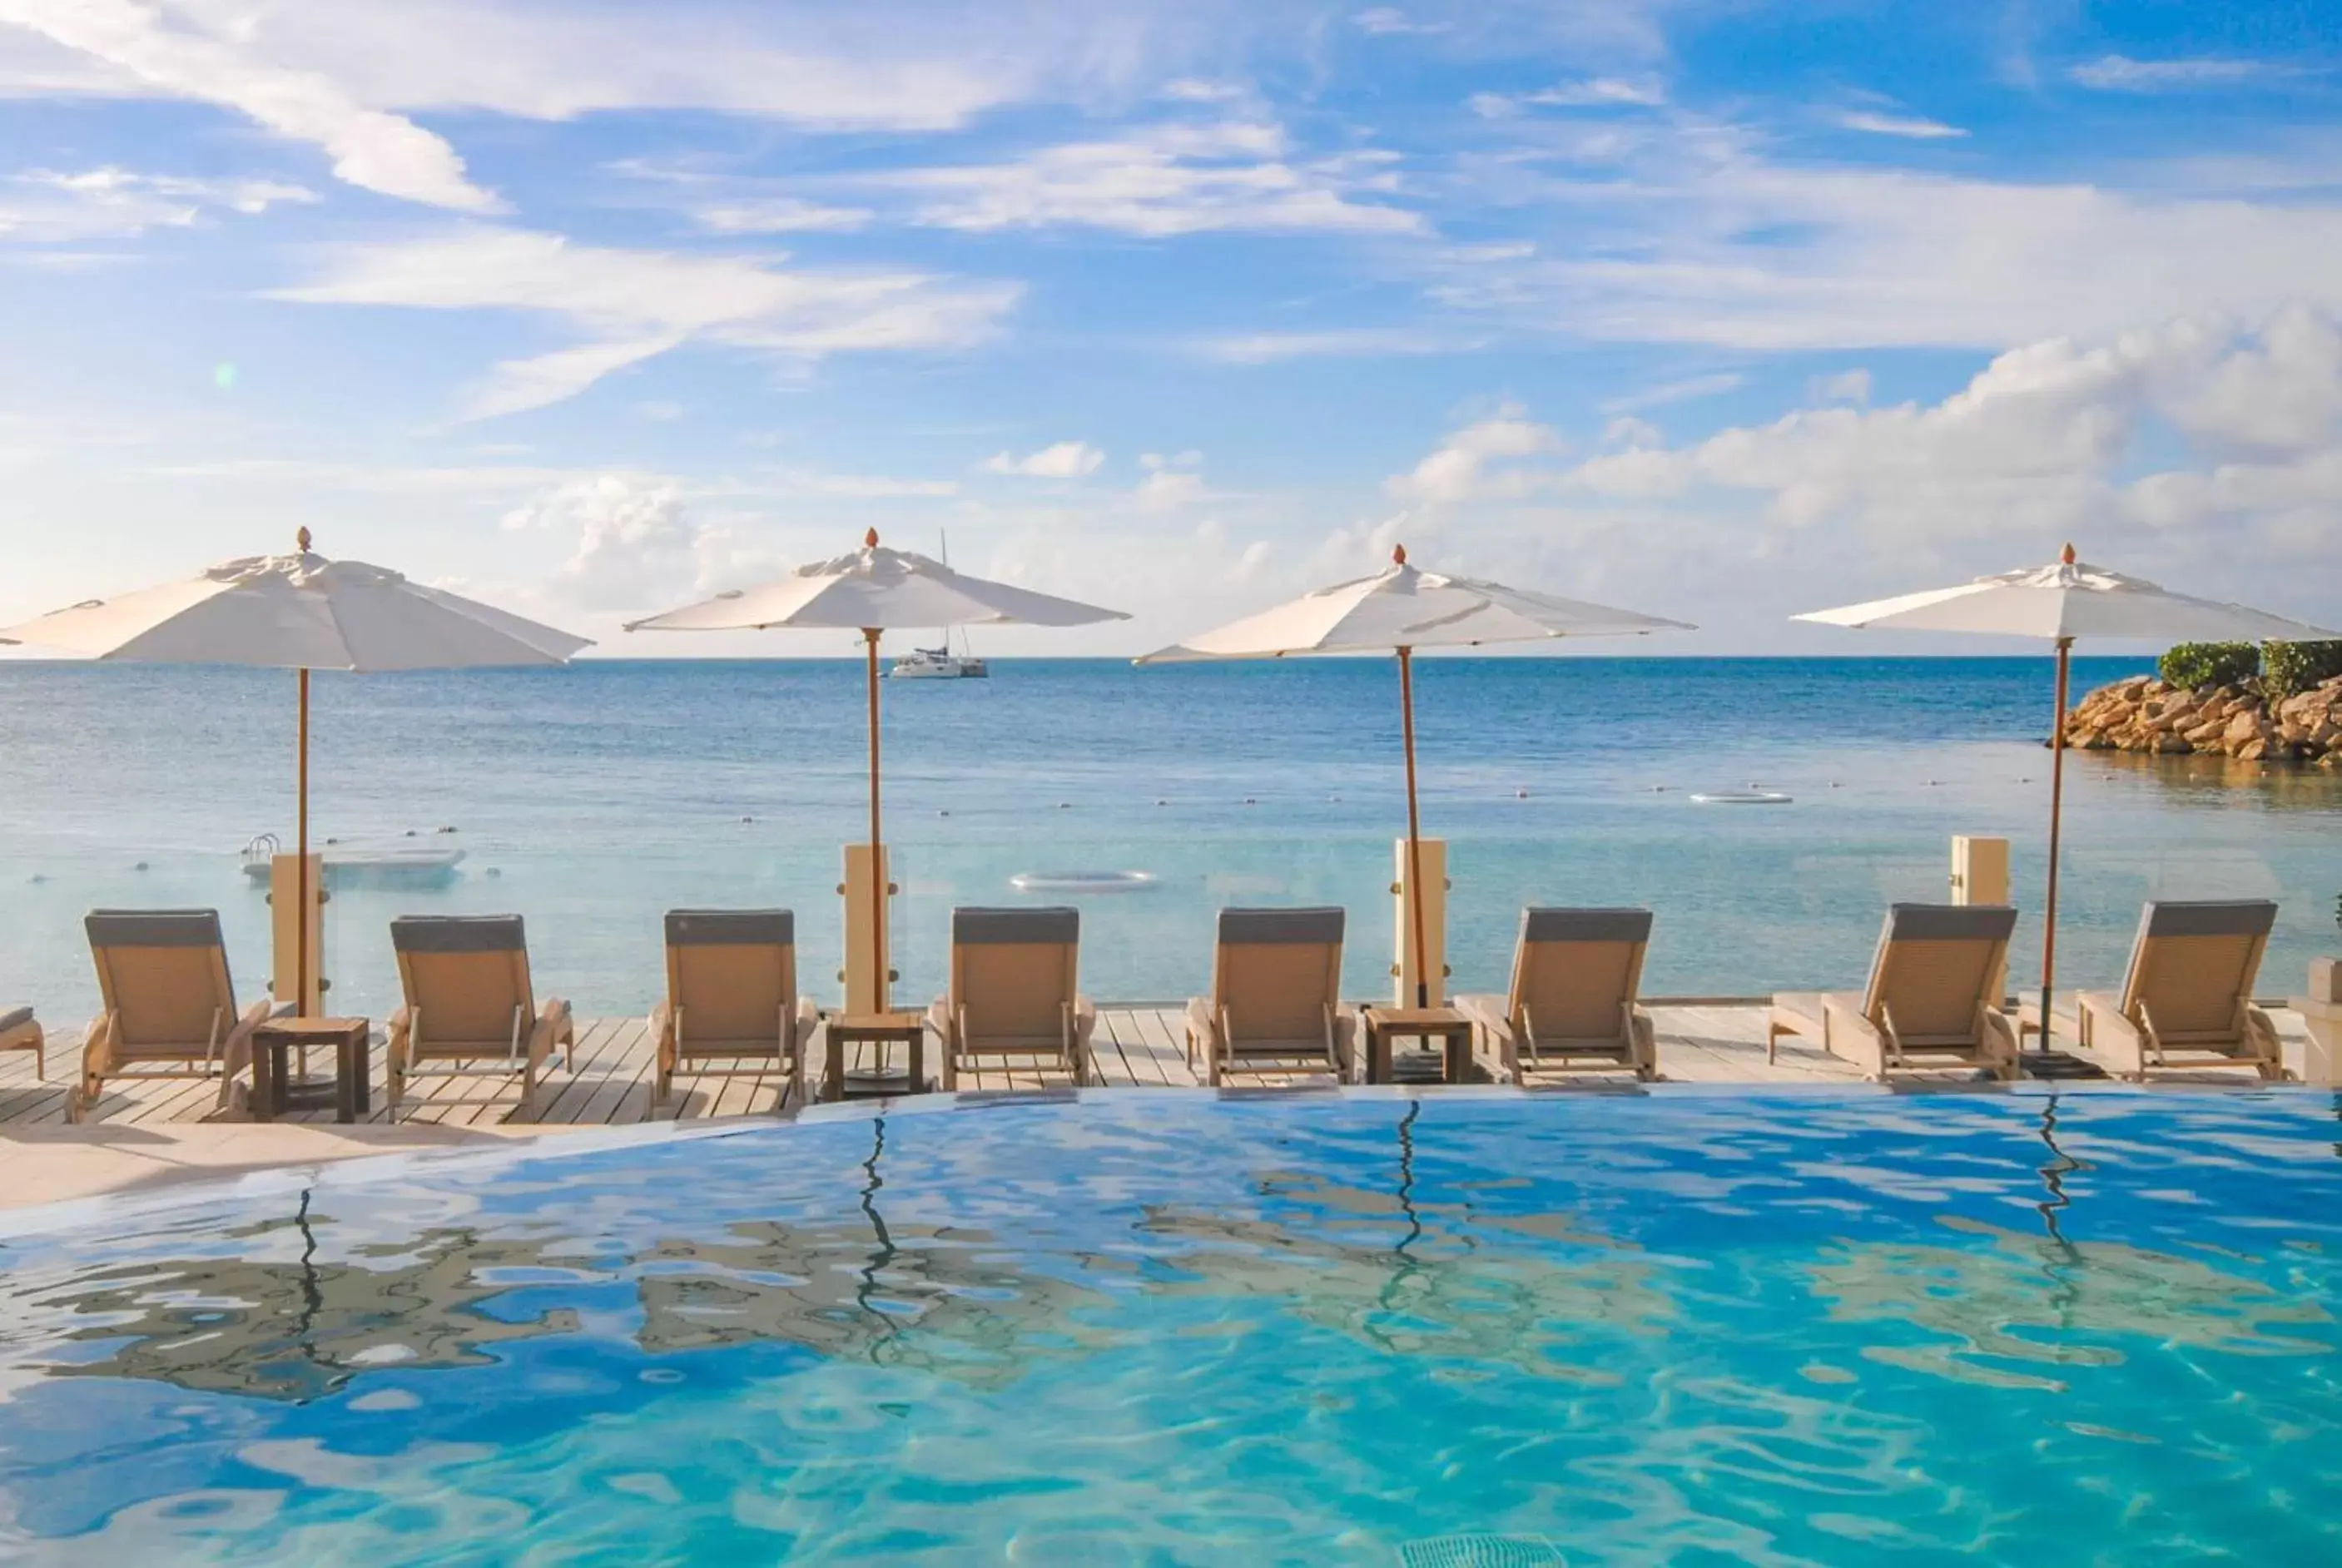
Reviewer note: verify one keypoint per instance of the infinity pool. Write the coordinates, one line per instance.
(2079, 1327)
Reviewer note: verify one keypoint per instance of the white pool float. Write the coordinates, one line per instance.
(1081, 880)
(1743, 797)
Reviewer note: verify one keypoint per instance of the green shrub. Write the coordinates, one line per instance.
(2290, 667)
(2191, 666)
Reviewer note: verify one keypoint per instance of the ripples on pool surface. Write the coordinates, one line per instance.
(2092, 1327)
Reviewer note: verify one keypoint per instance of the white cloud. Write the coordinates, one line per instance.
(1364, 342)
(1845, 387)
(1593, 93)
(519, 385)
(1698, 237)
(1171, 482)
(1385, 21)
(2120, 74)
(1908, 126)
(48, 205)
(173, 54)
(2044, 443)
(1476, 463)
(779, 215)
(1682, 391)
(1161, 181)
(1062, 460)
(632, 543)
(639, 303)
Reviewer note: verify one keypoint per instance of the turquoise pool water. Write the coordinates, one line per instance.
(2014, 1327)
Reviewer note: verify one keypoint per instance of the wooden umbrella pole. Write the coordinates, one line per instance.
(301, 866)
(2056, 812)
(878, 858)
(1414, 827)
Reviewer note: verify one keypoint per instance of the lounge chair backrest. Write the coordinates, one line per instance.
(1014, 971)
(468, 974)
(1277, 971)
(2194, 961)
(163, 974)
(731, 974)
(1936, 963)
(1575, 969)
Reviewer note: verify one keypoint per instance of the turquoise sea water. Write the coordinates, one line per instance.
(592, 798)
(2021, 1327)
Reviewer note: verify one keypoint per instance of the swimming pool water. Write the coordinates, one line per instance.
(2022, 1326)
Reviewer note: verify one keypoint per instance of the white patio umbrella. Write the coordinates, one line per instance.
(1397, 611)
(2063, 601)
(299, 612)
(872, 591)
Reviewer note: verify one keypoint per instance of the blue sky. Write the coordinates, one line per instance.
(1717, 311)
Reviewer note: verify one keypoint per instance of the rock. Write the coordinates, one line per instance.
(2328, 734)
(2252, 751)
(2205, 735)
(2172, 745)
(2243, 726)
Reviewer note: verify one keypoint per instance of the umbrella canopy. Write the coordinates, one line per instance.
(2069, 599)
(2064, 600)
(1397, 611)
(1404, 607)
(871, 591)
(876, 588)
(299, 612)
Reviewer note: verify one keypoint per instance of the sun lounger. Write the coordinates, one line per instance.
(20, 1031)
(1571, 1007)
(1276, 1002)
(168, 1007)
(2186, 1001)
(732, 997)
(470, 1008)
(1933, 1001)
(1013, 992)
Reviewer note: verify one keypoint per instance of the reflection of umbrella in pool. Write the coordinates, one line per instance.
(1397, 611)
(302, 613)
(2061, 602)
(872, 591)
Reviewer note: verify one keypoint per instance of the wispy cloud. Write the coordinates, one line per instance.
(370, 147)
(1359, 342)
(1062, 460)
(1385, 21)
(1161, 181)
(1593, 93)
(48, 205)
(1684, 391)
(2121, 74)
(778, 216)
(1908, 126)
(634, 304)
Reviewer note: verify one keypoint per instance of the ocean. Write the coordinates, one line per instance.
(593, 798)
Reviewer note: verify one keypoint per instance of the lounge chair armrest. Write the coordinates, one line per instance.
(2101, 1016)
(1843, 1014)
(805, 1023)
(939, 1018)
(1203, 1024)
(1490, 1014)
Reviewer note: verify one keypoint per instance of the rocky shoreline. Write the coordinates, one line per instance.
(2145, 714)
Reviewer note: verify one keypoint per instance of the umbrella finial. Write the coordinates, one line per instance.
(1399, 554)
(301, 540)
(2069, 556)
(870, 539)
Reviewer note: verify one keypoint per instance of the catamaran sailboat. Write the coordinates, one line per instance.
(939, 663)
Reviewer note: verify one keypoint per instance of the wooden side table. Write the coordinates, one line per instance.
(882, 1029)
(275, 1091)
(1383, 1024)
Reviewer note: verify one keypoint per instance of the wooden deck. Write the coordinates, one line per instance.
(1137, 1047)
